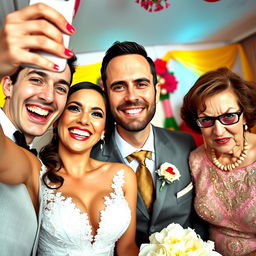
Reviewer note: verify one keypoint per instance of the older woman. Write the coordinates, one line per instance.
(222, 107)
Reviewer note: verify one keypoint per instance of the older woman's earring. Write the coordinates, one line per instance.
(102, 141)
(245, 127)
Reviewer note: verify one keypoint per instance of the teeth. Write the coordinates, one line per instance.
(133, 111)
(38, 111)
(80, 132)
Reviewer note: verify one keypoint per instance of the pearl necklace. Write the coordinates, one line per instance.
(234, 165)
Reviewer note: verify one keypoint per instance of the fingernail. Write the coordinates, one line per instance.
(56, 67)
(68, 53)
(70, 28)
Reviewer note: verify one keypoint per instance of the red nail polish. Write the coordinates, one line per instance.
(68, 53)
(56, 67)
(70, 28)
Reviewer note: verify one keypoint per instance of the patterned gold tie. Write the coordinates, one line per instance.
(144, 178)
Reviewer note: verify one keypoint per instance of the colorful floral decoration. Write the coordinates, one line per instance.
(168, 84)
(100, 83)
(153, 5)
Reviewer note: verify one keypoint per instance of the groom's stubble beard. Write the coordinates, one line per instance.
(136, 125)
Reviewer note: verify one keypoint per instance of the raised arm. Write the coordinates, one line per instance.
(17, 165)
(34, 27)
(126, 244)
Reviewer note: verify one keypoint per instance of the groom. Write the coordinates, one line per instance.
(130, 80)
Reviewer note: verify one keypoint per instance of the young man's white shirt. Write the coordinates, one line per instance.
(8, 126)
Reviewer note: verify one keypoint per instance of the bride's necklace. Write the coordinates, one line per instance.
(234, 165)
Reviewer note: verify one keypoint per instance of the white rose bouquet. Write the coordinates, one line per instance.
(176, 241)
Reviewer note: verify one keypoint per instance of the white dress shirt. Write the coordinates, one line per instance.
(126, 149)
(8, 127)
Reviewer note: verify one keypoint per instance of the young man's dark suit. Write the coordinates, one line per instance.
(172, 147)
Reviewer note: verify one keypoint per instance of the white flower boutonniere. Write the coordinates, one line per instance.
(168, 173)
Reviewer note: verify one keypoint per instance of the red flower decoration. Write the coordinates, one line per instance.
(170, 83)
(153, 5)
(166, 79)
(161, 66)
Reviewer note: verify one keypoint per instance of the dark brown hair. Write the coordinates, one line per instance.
(212, 83)
(49, 154)
(70, 62)
(124, 48)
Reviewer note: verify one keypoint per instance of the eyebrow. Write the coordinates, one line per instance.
(136, 81)
(80, 105)
(40, 73)
(45, 75)
(228, 111)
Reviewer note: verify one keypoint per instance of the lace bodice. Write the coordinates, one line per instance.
(227, 201)
(67, 231)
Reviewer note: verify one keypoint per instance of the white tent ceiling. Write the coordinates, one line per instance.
(100, 23)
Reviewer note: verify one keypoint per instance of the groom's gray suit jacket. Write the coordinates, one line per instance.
(169, 205)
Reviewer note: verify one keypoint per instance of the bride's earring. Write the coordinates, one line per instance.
(102, 141)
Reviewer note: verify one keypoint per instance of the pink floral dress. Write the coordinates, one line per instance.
(227, 200)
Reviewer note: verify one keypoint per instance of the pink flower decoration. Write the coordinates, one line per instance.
(166, 79)
(170, 83)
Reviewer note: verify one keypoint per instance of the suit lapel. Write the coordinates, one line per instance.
(111, 152)
(141, 206)
(161, 151)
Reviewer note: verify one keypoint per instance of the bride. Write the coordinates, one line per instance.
(89, 206)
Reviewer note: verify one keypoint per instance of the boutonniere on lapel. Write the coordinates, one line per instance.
(168, 173)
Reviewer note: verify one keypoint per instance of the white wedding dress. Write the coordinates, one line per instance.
(65, 231)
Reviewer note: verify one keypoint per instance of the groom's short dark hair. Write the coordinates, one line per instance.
(123, 48)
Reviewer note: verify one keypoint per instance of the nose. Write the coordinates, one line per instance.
(218, 128)
(131, 94)
(47, 93)
(83, 118)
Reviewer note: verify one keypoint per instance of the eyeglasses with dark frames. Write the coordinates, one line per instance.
(225, 119)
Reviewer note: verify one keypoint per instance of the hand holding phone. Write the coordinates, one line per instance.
(29, 26)
(66, 8)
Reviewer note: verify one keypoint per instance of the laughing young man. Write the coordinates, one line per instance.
(34, 100)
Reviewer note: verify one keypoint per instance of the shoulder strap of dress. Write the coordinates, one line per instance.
(118, 182)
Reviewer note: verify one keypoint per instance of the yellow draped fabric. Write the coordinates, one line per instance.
(1, 96)
(89, 73)
(201, 61)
